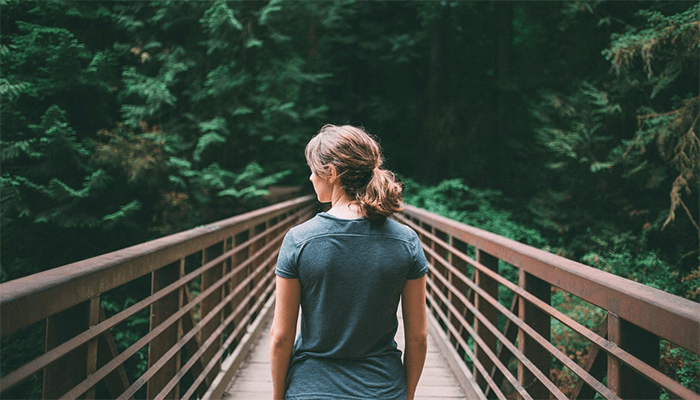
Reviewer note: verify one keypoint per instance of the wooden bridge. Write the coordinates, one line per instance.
(186, 316)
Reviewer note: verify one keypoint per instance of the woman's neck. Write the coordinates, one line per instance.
(342, 206)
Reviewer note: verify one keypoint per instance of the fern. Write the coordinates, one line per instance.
(220, 23)
(273, 6)
(153, 91)
(124, 211)
(12, 91)
(12, 150)
(221, 81)
(217, 124)
(205, 141)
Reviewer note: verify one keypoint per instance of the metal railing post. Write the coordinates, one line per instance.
(160, 311)
(62, 375)
(91, 356)
(209, 278)
(490, 286)
(639, 343)
(462, 266)
(540, 321)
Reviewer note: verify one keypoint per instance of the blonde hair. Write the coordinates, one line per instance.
(358, 159)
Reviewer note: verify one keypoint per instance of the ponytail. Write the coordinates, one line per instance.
(382, 196)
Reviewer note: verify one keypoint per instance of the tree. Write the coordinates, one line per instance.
(618, 143)
(123, 121)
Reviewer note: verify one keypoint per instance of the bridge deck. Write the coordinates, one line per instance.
(252, 381)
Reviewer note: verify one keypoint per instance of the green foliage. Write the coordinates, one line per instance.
(45, 192)
(616, 141)
(576, 127)
(123, 120)
(671, 43)
(665, 39)
(681, 365)
(482, 208)
(153, 91)
(620, 255)
(119, 128)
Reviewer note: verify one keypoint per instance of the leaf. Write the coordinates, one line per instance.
(153, 91)
(217, 124)
(248, 192)
(124, 211)
(269, 8)
(205, 141)
(177, 181)
(12, 150)
(218, 17)
(253, 42)
(11, 91)
(636, 169)
(599, 166)
(242, 110)
(250, 172)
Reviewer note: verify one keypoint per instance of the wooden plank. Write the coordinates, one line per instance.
(232, 364)
(457, 368)
(93, 319)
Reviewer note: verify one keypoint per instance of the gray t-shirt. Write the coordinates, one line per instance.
(352, 273)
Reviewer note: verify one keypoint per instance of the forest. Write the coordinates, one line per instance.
(571, 126)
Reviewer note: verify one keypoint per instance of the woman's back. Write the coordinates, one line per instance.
(352, 273)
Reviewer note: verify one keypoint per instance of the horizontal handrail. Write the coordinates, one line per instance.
(650, 308)
(469, 309)
(33, 298)
(234, 281)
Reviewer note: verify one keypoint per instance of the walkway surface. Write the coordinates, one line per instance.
(253, 381)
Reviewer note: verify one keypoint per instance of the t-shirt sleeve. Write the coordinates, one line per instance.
(287, 259)
(420, 264)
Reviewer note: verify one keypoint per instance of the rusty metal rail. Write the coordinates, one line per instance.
(208, 286)
(511, 349)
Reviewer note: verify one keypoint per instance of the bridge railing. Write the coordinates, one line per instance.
(511, 349)
(207, 289)
(204, 291)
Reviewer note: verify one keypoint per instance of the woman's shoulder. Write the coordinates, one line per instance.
(308, 229)
(399, 229)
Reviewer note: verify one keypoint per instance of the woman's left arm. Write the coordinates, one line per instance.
(283, 331)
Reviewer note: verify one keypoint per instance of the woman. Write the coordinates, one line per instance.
(348, 268)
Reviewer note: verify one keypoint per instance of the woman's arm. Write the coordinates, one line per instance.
(283, 331)
(415, 331)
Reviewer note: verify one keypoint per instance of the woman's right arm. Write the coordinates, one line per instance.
(283, 331)
(415, 332)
